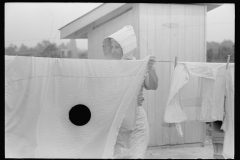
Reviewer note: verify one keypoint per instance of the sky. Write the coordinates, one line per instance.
(30, 23)
(221, 23)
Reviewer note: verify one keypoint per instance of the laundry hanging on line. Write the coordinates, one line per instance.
(228, 121)
(196, 93)
(40, 94)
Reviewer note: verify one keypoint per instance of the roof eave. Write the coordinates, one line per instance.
(77, 29)
(211, 6)
(88, 18)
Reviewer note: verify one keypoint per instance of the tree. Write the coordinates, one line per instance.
(83, 54)
(224, 53)
(50, 50)
(23, 50)
(43, 49)
(39, 47)
(63, 46)
(11, 50)
(210, 55)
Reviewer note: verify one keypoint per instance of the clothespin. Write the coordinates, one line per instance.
(175, 64)
(228, 61)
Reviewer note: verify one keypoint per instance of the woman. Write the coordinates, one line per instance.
(121, 46)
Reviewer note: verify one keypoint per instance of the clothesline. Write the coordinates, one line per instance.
(175, 63)
(228, 59)
(165, 61)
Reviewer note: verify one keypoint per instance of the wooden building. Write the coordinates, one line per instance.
(163, 30)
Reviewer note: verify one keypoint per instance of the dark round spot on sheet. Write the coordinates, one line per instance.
(79, 115)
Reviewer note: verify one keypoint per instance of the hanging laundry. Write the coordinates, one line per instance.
(196, 92)
(228, 122)
(68, 108)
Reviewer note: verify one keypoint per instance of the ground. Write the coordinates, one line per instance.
(192, 151)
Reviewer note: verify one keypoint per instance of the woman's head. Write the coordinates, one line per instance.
(121, 44)
(107, 48)
(112, 49)
(117, 51)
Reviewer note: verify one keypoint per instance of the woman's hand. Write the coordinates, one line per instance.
(152, 81)
(151, 61)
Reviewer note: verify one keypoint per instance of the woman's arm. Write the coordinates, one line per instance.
(151, 81)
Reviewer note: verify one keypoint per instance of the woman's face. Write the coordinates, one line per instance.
(117, 51)
(107, 49)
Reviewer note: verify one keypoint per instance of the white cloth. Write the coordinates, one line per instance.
(132, 144)
(228, 122)
(196, 92)
(39, 92)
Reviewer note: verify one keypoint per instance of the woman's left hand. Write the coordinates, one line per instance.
(151, 61)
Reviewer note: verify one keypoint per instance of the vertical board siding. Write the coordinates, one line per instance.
(205, 33)
(202, 19)
(179, 31)
(166, 68)
(159, 70)
(201, 10)
(135, 24)
(195, 33)
(173, 52)
(189, 18)
(195, 131)
(181, 50)
(129, 17)
(143, 18)
(202, 33)
(151, 93)
(195, 58)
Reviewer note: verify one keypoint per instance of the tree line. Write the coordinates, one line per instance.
(43, 49)
(218, 52)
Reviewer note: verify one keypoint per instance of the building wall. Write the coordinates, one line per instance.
(166, 31)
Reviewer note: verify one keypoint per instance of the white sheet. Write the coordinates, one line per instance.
(39, 92)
